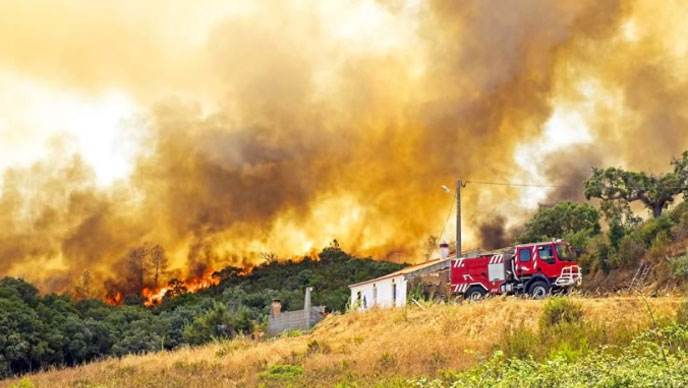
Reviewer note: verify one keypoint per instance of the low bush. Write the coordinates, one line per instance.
(659, 249)
(561, 332)
(631, 250)
(560, 310)
(682, 314)
(679, 267)
(23, 383)
(282, 372)
(520, 342)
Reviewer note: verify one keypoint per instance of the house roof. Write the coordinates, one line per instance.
(418, 269)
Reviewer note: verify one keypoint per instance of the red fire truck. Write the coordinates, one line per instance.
(536, 269)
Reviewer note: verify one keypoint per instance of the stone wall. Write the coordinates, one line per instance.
(294, 320)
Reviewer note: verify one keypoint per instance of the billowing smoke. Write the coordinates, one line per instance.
(283, 131)
(493, 233)
(569, 169)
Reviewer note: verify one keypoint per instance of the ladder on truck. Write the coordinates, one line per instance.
(639, 277)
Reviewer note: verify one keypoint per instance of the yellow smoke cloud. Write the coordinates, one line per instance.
(277, 126)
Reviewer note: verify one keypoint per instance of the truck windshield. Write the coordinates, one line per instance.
(565, 252)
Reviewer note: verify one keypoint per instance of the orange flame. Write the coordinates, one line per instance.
(155, 295)
(115, 299)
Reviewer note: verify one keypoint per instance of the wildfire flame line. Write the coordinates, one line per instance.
(155, 295)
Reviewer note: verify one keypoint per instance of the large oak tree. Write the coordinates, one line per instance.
(617, 188)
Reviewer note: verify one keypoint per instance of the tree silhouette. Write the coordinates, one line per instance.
(83, 289)
(159, 262)
(138, 267)
(617, 188)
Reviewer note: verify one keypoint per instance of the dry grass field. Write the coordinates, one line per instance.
(356, 348)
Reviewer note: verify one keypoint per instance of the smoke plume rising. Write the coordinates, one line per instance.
(281, 125)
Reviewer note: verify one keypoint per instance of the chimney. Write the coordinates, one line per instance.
(444, 250)
(276, 307)
(307, 306)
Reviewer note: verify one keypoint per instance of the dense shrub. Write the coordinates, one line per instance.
(520, 342)
(682, 313)
(631, 251)
(560, 310)
(282, 372)
(679, 267)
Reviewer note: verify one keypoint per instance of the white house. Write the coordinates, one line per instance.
(391, 290)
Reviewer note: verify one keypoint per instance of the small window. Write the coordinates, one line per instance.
(374, 295)
(394, 292)
(565, 253)
(546, 253)
(524, 255)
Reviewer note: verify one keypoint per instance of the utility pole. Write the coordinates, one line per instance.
(459, 184)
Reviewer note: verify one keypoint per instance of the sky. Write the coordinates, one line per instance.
(227, 130)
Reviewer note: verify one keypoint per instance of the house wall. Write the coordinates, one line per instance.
(383, 297)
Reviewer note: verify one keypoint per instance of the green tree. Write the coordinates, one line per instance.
(559, 220)
(215, 323)
(617, 188)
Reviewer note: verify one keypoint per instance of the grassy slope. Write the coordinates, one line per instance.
(362, 347)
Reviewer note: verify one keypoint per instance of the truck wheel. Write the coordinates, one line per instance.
(475, 293)
(538, 289)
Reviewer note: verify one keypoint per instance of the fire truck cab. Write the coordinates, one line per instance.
(536, 269)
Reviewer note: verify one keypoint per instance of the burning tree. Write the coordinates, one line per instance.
(138, 267)
(83, 289)
(175, 287)
(159, 262)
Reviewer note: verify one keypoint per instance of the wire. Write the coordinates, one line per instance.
(560, 186)
(451, 208)
(519, 184)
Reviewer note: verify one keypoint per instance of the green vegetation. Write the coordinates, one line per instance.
(561, 311)
(656, 358)
(23, 383)
(625, 246)
(40, 331)
(282, 372)
(679, 267)
(570, 221)
(628, 239)
(567, 351)
(562, 330)
(622, 245)
(397, 347)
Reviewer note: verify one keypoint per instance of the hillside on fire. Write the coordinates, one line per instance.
(304, 193)
(69, 330)
(223, 131)
(56, 330)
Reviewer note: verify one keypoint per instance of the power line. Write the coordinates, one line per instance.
(520, 184)
(511, 184)
(451, 207)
